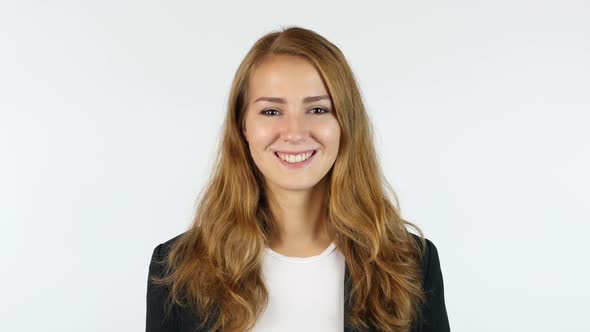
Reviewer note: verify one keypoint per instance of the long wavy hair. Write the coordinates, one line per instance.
(214, 268)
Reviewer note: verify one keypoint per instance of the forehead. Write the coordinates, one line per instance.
(285, 76)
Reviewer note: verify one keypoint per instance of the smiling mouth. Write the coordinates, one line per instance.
(291, 160)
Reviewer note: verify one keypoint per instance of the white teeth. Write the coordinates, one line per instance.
(294, 158)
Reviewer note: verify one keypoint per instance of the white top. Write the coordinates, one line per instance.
(305, 293)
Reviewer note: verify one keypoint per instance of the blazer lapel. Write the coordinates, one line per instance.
(348, 301)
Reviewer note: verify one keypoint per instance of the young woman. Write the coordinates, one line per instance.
(295, 230)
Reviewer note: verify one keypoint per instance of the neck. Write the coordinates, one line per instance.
(300, 218)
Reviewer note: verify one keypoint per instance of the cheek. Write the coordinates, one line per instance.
(259, 137)
(329, 135)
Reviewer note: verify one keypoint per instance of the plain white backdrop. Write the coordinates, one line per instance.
(110, 112)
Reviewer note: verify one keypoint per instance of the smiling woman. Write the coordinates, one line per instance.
(296, 230)
(301, 125)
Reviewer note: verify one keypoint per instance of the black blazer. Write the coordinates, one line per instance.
(181, 320)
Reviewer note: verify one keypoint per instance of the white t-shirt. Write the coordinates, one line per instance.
(305, 293)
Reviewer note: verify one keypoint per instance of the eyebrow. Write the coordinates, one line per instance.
(278, 100)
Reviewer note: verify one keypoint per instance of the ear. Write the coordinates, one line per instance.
(244, 133)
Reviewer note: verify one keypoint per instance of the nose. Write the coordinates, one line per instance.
(294, 129)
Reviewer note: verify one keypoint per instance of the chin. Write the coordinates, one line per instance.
(296, 185)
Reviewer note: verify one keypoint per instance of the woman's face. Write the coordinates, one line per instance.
(290, 115)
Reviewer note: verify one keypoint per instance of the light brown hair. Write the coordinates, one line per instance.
(214, 268)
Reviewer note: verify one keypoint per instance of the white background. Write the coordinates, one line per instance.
(110, 112)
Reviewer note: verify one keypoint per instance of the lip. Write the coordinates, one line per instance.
(299, 164)
(295, 152)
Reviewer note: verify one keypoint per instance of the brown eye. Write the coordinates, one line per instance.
(323, 110)
(266, 112)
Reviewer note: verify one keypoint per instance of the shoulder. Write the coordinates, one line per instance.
(434, 314)
(429, 257)
(162, 249)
